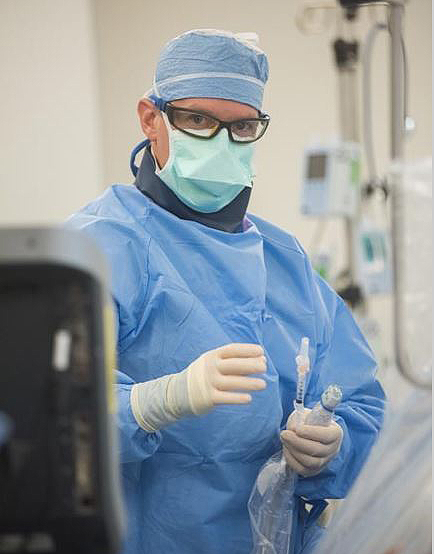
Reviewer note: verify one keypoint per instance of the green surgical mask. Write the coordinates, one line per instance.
(206, 175)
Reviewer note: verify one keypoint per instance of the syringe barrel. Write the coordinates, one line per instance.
(300, 388)
(302, 361)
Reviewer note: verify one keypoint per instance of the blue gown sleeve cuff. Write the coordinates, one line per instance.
(135, 444)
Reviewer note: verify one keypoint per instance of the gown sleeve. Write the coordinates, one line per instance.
(343, 358)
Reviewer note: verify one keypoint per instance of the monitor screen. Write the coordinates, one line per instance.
(316, 166)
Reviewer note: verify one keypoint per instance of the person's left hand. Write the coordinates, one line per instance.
(309, 448)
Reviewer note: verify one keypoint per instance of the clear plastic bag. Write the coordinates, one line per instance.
(271, 503)
(271, 507)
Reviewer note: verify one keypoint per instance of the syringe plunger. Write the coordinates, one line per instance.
(331, 397)
(302, 359)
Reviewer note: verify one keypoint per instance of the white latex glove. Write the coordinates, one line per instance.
(216, 377)
(213, 378)
(309, 448)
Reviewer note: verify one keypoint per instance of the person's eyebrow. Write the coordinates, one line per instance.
(195, 109)
(204, 111)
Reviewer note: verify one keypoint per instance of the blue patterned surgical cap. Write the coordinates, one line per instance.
(207, 63)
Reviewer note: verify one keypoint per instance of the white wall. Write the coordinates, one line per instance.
(50, 156)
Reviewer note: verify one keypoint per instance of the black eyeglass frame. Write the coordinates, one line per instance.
(264, 118)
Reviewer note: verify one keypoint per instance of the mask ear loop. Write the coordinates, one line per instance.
(158, 102)
(154, 95)
(135, 151)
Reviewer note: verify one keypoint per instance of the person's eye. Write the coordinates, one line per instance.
(198, 121)
(194, 118)
(245, 128)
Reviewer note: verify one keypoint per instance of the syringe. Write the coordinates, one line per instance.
(303, 365)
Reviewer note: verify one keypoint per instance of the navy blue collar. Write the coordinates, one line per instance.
(229, 218)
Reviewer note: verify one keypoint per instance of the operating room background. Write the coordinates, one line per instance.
(72, 72)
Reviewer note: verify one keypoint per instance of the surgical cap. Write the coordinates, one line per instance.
(207, 63)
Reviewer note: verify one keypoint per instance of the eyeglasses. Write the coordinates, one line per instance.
(204, 126)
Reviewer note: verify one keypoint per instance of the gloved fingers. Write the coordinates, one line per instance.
(241, 366)
(308, 465)
(223, 397)
(236, 383)
(305, 446)
(296, 466)
(326, 435)
(307, 459)
(239, 350)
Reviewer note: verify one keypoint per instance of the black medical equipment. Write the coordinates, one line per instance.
(59, 487)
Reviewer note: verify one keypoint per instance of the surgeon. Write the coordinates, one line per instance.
(212, 303)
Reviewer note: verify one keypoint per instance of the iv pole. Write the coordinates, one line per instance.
(346, 56)
(397, 103)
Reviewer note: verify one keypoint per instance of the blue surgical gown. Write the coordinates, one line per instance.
(181, 288)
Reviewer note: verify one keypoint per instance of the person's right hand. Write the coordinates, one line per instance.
(219, 376)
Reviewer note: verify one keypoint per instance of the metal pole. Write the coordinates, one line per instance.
(397, 154)
(347, 75)
(397, 82)
(349, 132)
(347, 103)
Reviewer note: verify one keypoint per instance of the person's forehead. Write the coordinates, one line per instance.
(218, 107)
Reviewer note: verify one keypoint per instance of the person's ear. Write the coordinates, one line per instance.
(148, 115)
